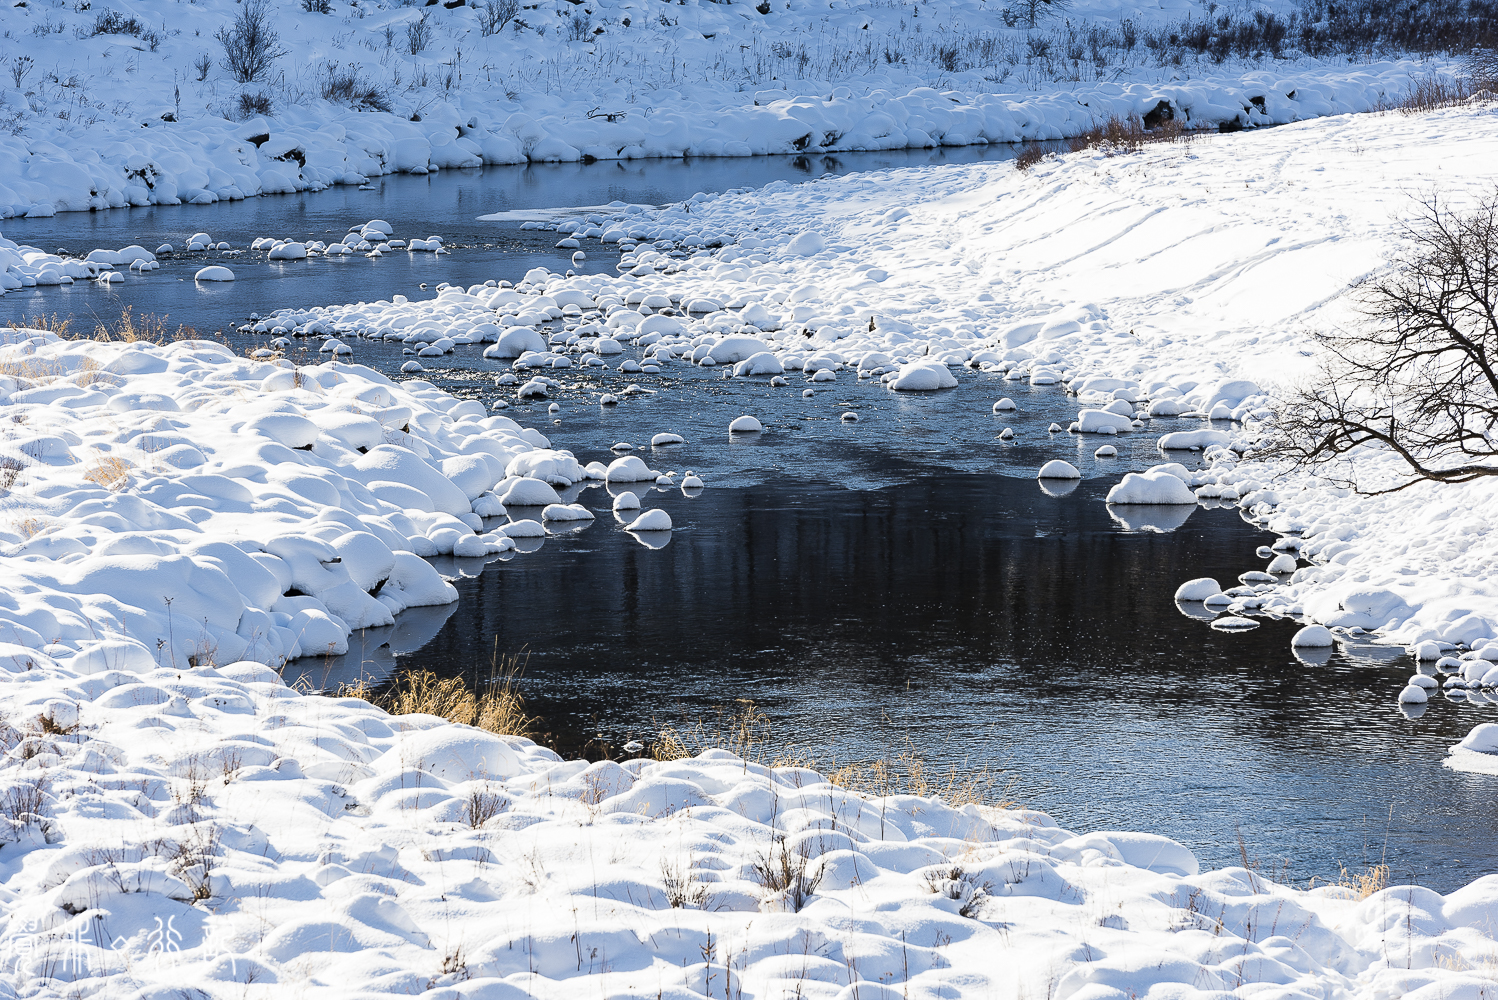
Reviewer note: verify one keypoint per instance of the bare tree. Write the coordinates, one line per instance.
(1421, 378)
(251, 44)
(1032, 12)
(495, 14)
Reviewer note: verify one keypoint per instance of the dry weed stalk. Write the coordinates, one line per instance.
(740, 728)
(30, 527)
(907, 773)
(1114, 135)
(1433, 92)
(150, 329)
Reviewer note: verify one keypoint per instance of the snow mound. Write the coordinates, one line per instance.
(1482, 739)
(1151, 488)
(1057, 469)
(1104, 422)
(763, 363)
(922, 377)
(1313, 637)
(745, 425)
(1194, 440)
(566, 512)
(629, 469)
(520, 491)
(651, 520)
(1198, 590)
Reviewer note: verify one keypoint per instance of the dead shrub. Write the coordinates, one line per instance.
(1031, 154)
(1433, 92)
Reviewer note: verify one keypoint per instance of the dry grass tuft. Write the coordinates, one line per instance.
(906, 773)
(1112, 136)
(51, 324)
(150, 329)
(740, 728)
(1433, 92)
(1374, 878)
(498, 708)
(110, 472)
(1028, 157)
(30, 527)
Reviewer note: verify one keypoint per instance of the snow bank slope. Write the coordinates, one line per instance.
(171, 505)
(105, 111)
(211, 830)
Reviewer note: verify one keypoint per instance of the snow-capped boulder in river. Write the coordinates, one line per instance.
(651, 520)
(1057, 469)
(922, 376)
(1313, 637)
(1197, 590)
(514, 342)
(731, 350)
(630, 469)
(1153, 487)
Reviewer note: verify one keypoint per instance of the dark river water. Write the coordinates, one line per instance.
(898, 582)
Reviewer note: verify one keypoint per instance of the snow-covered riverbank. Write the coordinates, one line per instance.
(178, 505)
(105, 109)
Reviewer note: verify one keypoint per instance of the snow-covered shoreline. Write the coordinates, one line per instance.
(164, 500)
(102, 113)
(312, 147)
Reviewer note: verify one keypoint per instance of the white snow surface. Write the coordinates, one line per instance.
(108, 114)
(168, 505)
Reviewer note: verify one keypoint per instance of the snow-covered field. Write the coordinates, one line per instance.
(178, 518)
(133, 105)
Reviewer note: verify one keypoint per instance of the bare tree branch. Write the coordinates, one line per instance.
(1420, 376)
